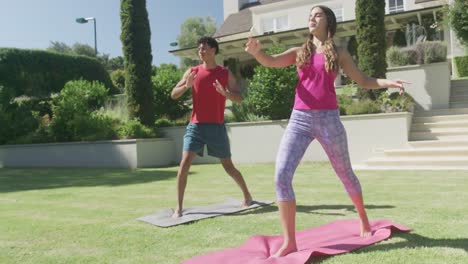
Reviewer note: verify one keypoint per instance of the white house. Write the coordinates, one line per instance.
(285, 22)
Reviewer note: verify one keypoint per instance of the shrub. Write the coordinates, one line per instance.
(462, 66)
(421, 53)
(395, 102)
(395, 57)
(118, 79)
(432, 51)
(72, 110)
(163, 122)
(365, 106)
(271, 90)
(458, 17)
(134, 129)
(165, 79)
(39, 73)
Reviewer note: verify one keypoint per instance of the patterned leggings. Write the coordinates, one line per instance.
(303, 127)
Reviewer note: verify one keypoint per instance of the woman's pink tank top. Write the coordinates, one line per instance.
(316, 87)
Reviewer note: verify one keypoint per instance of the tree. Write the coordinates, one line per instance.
(84, 50)
(191, 31)
(458, 17)
(116, 63)
(370, 36)
(60, 47)
(135, 37)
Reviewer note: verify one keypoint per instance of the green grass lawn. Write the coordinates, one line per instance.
(88, 216)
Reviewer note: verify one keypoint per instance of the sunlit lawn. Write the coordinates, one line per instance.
(88, 216)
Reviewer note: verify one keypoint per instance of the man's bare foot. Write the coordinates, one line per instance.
(284, 250)
(366, 230)
(177, 213)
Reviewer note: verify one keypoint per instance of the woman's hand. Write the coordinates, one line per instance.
(253, 46)
(397, 84)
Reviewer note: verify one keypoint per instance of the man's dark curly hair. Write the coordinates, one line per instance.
(211, 42)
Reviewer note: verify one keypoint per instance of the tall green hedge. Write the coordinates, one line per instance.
(39, 73)
(462, 66)
(135, 37)
(370, 36)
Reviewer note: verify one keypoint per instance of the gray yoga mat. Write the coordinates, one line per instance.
(163, 218)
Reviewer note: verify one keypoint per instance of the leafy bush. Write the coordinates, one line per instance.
(395, 57)
(431, 51)
(39, 73)
(458, 17)
(118, 79)
(462, 66)
(271, 91)
(421, 53)
(134, 129)
(72, 110)
(360, 107)
(91, 127)
(395, 102)
(165, 79)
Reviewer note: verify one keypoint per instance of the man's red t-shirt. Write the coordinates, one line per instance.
(208, 104)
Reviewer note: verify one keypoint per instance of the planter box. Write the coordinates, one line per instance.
(430, 84)
(254, 142)
(251, 142)
(131, 153)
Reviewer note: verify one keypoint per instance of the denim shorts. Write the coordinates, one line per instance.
(213, 135)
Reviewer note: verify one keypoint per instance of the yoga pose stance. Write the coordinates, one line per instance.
(316, 115)
(211, 84)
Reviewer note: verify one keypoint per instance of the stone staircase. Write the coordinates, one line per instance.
(438, 139)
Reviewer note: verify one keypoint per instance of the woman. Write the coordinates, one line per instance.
(316, 115)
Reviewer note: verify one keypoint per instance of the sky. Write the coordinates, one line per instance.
(33, 24)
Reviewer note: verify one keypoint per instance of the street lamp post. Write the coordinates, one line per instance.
(83, 20)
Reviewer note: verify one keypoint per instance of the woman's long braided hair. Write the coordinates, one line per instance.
(308, 48)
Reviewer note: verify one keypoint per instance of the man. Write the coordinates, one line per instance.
(211, 84)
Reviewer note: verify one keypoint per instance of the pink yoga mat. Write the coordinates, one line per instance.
(330, 239)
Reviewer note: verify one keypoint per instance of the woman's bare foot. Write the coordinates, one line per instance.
(366, 230)
(285, 249)
(247, 201)
(177, 213)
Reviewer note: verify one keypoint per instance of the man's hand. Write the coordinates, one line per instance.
(220, 89)
(190, 78)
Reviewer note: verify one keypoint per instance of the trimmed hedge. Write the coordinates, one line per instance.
(39, 73)
(462, 66)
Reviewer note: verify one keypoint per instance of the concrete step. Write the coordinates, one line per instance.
(459, 83)
(440, 118)
(446, 161)
(458, 92)
(440, 112)
(454, 105)
(459, 98)
(429, 152)
(439, 134)
(408, 167)
(439, 124)
(438, 143)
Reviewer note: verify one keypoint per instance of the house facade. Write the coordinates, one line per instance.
(286, 22)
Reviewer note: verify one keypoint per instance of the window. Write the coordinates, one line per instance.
(275, 24)
(395, 6)
(338, 13)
